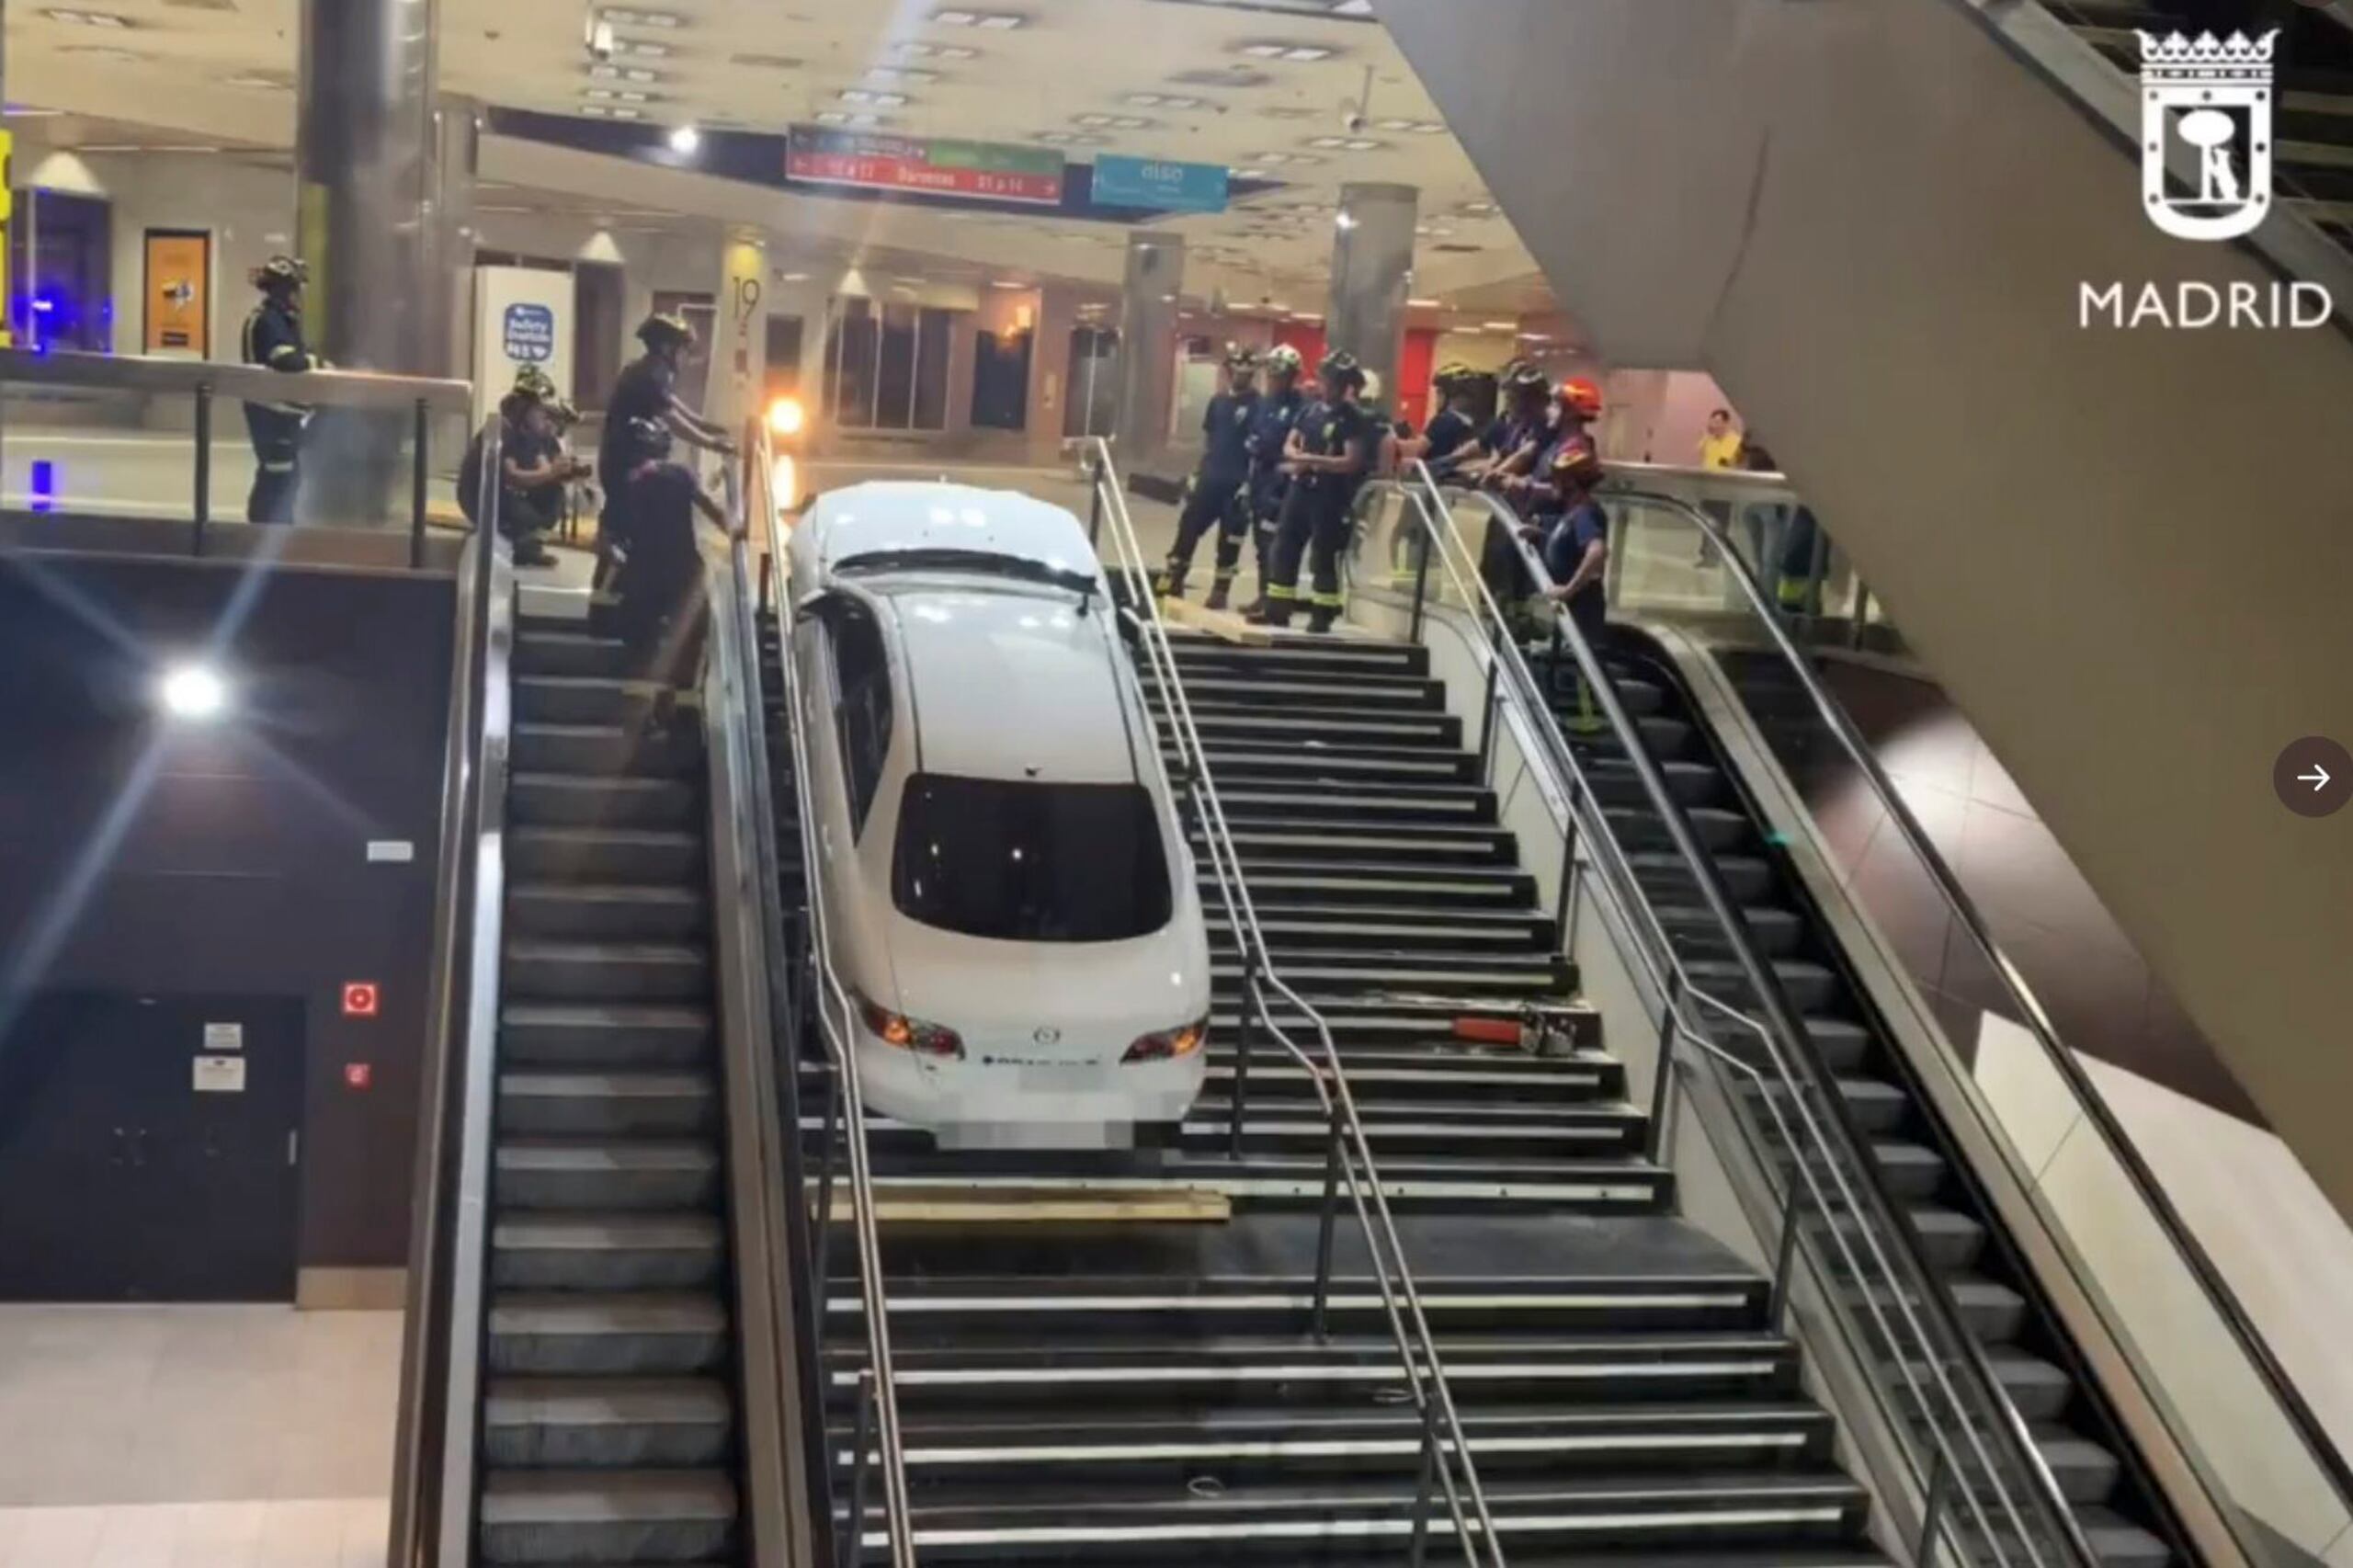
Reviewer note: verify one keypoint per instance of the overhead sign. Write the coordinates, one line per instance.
(1155, 182)
(925, 165)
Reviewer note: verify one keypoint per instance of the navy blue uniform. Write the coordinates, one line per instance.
(1270, 429)
(1218, 494)
(1448, 431)
(1569, 535)
(273, 337)
(642, 393)
(1315, 518)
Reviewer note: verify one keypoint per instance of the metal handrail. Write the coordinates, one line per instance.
(2029, 1011)
(434, 1481)
(1350, 1151)
(1780, 1034)
(836, 1014)
(251, 383)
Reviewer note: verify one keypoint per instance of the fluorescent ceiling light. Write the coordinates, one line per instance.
(1348, 143)
(1000, 21)
(1500, 326)
(598, 111)
(88, 19)
(622, 74)
(1412, 127)
(792, 277)
(916, 49)
(1246, 173)
(1426, 304)
(898, 76)
(1008, 283)
(1111, 121)
(1296, 53)
(1163, 100)
(192, 691)
(860, 121)
(621, 18)
(871, 99)
(1344, 219)
(614, 94)
(641, 49)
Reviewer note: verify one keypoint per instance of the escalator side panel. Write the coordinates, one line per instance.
(1883, 222)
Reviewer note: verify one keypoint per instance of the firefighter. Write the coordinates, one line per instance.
(659, 611)
(646, 391)
(273, 338)
(1222, 485)
(1270, 428)
(1576, 559)
(1329, 452)
(1577, 403)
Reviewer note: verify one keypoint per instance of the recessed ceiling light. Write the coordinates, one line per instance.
(1112, 121)
(1054, 138)
(916, 49)
(641, 49)
(103, 51)
(622, 74)
(792, 277)
(1247, 174)
(871, 99)
(621, 18)
(1477, 209)
(1007, 283)
(1500, 326)
(898, 76)
(859, 122)
(614, 94)
(685, 139)
(1164, 101)
(1424, 305)
(1295, 53)
(88, 19)
(1001, 21)
(599, 111)
(254, 79)
(1412, 127)
(1348, 143)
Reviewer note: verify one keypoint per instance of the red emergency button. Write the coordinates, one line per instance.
(359, 999)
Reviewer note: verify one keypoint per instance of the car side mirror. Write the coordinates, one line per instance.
(814, 605)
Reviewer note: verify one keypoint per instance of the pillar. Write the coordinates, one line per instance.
(364, 151)
(739, 357)
(1155, 277)
(450, 233)
(1372, 274)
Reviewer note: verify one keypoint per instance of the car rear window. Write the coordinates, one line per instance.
(1022, 861)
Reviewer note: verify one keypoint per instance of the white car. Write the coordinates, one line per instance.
(1007, 895)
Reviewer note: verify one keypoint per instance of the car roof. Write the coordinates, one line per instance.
(1013, 682)
(890, 516)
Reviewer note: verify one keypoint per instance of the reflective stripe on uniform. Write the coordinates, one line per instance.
(1281, 591)
(277, 468)
(282, 350)
(1328, 601)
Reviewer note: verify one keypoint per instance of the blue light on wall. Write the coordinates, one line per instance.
(44, 485)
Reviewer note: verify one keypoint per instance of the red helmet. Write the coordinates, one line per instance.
(1581, 396)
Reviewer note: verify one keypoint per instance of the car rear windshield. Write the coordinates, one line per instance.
(1028, 862)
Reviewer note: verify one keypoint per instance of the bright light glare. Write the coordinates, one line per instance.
(784, 482)
(786, 416)
(192, 691)
(685, 138)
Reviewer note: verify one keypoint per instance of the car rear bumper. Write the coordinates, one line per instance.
(969, 1105)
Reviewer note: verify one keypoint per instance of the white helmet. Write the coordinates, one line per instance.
(1282, 359)
(1372, 386)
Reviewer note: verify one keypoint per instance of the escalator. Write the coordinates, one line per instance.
(599, 1359)
(2035, 1363)
(1886, 217)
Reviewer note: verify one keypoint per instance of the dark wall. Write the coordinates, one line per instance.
(2101, 994)
(164, 857)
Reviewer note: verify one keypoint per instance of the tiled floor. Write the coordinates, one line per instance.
(162, 1437)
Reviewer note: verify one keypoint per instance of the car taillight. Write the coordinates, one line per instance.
(1166, 1045)
(909, 1034)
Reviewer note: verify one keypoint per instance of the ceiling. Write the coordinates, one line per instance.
(1261, 86)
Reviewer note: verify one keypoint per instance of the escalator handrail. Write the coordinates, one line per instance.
(1843, 1147)
(2309, 1428)
(1400, 1297)
(761, 1038)
(434, 1472)
(836, 1015)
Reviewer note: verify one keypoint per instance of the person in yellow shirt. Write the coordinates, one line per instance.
(1720, 447)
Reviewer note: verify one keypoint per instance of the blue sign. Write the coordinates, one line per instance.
(530, 334)
(1153, 182)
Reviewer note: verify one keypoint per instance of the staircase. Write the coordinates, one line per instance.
(1154, 1394)
(1997, 1299)
(608, 1416)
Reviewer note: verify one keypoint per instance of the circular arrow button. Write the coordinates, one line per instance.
(2313, 777)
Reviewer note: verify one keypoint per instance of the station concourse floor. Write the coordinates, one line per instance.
(194, 1436)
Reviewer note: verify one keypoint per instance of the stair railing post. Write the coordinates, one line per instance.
(853, 1521)
(1324, 1227)
(1785, 1257)
(1564, 897)
(1094, 500)
(821, 1241)
(1662, 1072)
(1421, 576)
(203, 465)
(1487, 708)
(1253, 1002)
(418, 435)
(1932, 1517)
(1419, 1548)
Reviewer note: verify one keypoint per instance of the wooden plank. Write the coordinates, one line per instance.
(1018, 1206)
(1222, 624)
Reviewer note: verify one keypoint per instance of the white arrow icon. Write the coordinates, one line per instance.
(2317, 779)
